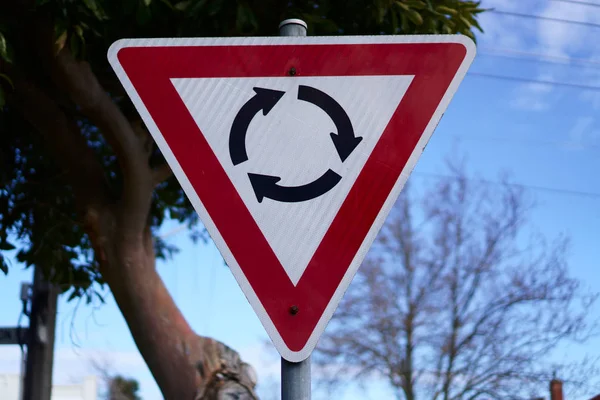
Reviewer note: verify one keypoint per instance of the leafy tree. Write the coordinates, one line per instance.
(83, 188)
(121, 388)
(456, 302)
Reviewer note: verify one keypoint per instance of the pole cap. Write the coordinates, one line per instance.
(294, 21)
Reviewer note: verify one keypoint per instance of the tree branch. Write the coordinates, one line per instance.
(64, 140)
(161, 173)
(77, 79)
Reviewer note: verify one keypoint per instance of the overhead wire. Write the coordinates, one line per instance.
(578, 2)
(539, 57)
(527, 142)
(579, 193)
(535, 81)
(544, 18)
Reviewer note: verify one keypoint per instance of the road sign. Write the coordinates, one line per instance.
(292, 151)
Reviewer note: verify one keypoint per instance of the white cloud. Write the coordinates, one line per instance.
(564, 39)
(583, 135)
(534, 96)
(542, 36)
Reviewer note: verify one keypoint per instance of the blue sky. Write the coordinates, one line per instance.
(547, 137)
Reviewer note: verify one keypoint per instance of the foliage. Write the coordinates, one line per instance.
(458, 299)
(121, 388)
(38, 213)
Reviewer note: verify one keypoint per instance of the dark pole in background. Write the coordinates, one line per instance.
(40, 339)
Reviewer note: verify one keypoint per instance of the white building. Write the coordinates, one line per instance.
(86, 390)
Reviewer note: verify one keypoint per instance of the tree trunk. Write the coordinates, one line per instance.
(182, 363)
(157, 326)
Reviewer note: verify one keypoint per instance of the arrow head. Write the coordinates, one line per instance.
(267, 98)
(345, 145)
(262, 184)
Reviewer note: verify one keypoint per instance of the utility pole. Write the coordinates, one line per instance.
(40, 339)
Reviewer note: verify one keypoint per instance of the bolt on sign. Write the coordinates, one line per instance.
(292, 150)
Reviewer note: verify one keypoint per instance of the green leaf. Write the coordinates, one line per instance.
(415, 17)
(168, 4)
(95, 9)
(5, 52)
(465, 21)
(394, 23)
(402, 6)
(404, 23)
(143, 15)
(147, 2)
(474, 22)
(468, 33)
(79, 31)
(417, 4)
(446, 10)
(182, 5)
(60, 42)
(214, 7)
(198, 6)
(8, 80)
(75, 45)
(245, 17)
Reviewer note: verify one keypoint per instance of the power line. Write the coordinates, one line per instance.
(529, 142)
(539, 57)
(593, 195)
(536, 81)
(543, 18)
(581, 3)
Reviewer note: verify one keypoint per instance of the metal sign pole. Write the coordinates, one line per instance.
(295, 380)
(295, 377)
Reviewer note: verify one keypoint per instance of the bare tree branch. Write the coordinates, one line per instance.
(453, 303)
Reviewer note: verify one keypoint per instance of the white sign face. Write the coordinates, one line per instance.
(292, 151)
(293, 142)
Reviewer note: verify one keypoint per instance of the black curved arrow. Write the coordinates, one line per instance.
(345, 142)
(265, 100)
(266, 186)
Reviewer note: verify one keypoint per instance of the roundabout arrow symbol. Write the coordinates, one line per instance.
(266, 186)
(344, 140)
(265, 100)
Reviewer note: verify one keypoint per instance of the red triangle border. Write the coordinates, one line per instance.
(434, 65)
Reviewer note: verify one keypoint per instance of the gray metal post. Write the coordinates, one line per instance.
(292, 27)
(295, 380)
(295, 377)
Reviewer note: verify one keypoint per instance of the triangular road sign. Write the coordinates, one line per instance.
(292, 151)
